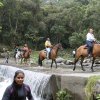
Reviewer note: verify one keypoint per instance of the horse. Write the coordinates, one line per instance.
(53, 54)
(18, 56)
(82, 52)
(22, 56)
(26, 55)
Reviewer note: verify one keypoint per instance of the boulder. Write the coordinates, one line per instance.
(68, 62)
(96, 90)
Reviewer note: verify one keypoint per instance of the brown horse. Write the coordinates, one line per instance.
(81, 52)
(53, 54)
(26, 55)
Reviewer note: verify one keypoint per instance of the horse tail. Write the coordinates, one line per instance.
(74, 53)
(39, 61)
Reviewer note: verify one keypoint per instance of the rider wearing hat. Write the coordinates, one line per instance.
(48, 47)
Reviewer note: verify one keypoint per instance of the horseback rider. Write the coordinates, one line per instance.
(48, 47)
(26, 49)
(90, 39)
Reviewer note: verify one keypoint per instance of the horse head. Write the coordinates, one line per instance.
(60, 46)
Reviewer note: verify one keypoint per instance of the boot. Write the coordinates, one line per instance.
(47, 55)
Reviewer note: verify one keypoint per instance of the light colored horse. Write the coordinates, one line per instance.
(18, 56)
(81, 53)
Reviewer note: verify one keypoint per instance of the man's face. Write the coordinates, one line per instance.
(91, 30)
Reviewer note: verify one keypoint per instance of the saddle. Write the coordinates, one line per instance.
(47, 52)
(85, 47)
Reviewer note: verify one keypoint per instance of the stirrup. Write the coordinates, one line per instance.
(89, 55)
(47, 58)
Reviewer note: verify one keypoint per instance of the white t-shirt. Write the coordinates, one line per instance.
(90, 37)
(73, 52)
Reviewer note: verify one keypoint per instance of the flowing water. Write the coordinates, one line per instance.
(38, 82)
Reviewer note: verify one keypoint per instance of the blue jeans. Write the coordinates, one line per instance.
(48, 51)
(90, 46)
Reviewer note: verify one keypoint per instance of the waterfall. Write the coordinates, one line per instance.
(37, 81)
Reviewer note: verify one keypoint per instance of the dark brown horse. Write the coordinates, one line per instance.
(81, 53)
(53, 54)
(26, 55)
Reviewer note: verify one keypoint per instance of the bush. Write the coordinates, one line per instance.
(98, 96)
(63, 95)
(77, 39)
(90, 87)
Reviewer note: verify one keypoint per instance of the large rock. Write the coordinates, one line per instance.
(51, 89)
(96, 89)
(58, 60)
(75, 85)
(68, 62)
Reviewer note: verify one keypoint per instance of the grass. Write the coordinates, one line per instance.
(90, 86)
(65, 54)
(34, 56)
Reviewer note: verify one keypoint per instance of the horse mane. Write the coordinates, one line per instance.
(55, 45)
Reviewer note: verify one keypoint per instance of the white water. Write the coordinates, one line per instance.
(3, 86)
(36, 81)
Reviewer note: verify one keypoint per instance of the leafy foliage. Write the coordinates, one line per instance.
(98, 96)
(77, 39)
(90, 85)
(61, 20)
(63, 95)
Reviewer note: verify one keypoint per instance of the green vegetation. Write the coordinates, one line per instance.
(90, 86)
(66, 54)
(98, 96)
(63, 95)
(34, 56)
(32, 21)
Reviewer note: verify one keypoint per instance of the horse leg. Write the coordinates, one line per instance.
(82, 59)
(75, 61)
(17, 61)
(39, 61)
(51, 63)
(92, 64)
(21, 60)
(55, 63)
(25, 61)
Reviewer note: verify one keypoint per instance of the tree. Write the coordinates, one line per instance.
(77, 39)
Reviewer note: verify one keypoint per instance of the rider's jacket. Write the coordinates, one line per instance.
(48, 44)
(90, 37)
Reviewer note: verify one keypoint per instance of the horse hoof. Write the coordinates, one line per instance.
(92, 70)
(74, 69)
(83, 69)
